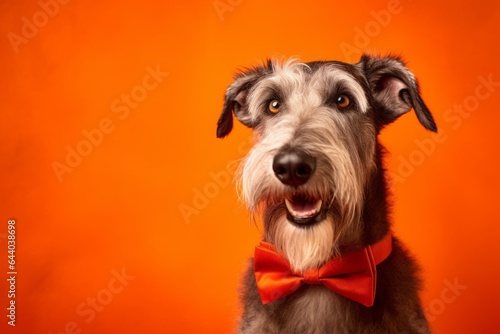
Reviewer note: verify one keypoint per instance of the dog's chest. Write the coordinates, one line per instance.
(315, 311)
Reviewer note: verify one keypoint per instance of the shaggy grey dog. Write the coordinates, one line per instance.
(315, 178)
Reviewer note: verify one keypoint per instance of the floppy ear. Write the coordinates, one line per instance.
(235, 100)
(395, 90)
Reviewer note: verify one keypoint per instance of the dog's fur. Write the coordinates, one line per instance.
(348, 178)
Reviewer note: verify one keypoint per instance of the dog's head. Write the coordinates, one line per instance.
(316, 126)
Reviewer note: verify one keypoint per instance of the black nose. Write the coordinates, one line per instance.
(293, 167)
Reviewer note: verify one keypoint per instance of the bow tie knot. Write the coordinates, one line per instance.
(352, 275)
(312, 276)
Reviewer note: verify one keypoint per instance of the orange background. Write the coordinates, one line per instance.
(120, 207)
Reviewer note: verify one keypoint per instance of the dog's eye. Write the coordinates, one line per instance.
(274, 106)
(343, 101)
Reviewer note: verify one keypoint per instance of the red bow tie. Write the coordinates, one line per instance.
(352, 275)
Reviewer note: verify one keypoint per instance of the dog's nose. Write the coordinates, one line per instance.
(293, 167)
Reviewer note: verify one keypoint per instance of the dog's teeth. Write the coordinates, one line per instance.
(289, 205)
(296, 211)
(317, 207)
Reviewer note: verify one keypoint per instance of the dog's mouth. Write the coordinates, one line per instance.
(303, 210)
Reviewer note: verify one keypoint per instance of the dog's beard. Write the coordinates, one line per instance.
(304, 247)
(308, 246)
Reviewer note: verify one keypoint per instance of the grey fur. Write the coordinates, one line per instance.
(348, 179)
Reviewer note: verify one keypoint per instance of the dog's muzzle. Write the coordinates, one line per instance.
(294, 168)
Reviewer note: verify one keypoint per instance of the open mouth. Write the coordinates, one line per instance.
(303, 210)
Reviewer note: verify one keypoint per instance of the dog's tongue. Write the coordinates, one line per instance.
(301, 207)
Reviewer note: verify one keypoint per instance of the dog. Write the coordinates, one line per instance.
(328, 262)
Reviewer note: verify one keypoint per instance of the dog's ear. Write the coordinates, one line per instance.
(235, 100)
(395, 90)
